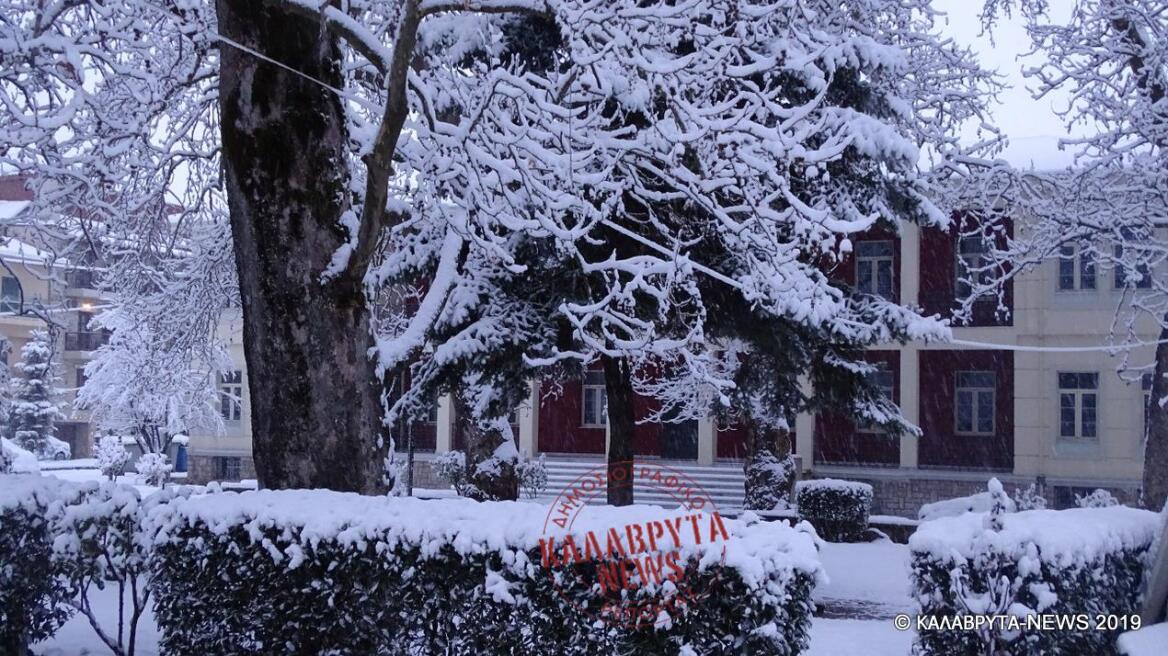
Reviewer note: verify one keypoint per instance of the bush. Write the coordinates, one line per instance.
(313, 572)
(837, 509)
(154, 469)
(1100, 498)
(1064, 562)
(112, 457)
(32, 604)
(533, 478)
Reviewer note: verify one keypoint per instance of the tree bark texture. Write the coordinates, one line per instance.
(315, 401)
(618, 384)
(1156, 440)
(768, 472)
(501, 484)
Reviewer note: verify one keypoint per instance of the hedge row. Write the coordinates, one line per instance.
(1084, 561)
(313, 572)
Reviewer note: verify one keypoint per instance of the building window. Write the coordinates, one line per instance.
(874, 260)
(228, 468)
(883, 379)
(81, 378)
(9, 294)
(973, 264)
(1078, 405)
(1076, 269)
(1123, 273)
(432, 413)
(976, 398)
(595, 400)
(231, 395)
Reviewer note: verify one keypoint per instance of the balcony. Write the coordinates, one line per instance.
(82, 279)
(85, 341)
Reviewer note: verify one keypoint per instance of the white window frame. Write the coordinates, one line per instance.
(231, 396)
(1078, 392)
(1079, 263)
(872, 262)
(975, 391)
(592, 387)
(966, 262)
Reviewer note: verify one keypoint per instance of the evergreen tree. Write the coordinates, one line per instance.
(34, 412)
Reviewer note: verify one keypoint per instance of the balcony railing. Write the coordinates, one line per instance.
(85, 341)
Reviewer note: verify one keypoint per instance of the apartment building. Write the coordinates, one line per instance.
(1012, 398)
(65, 298)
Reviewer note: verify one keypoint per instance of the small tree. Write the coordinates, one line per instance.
(112, 457)
(34, 412)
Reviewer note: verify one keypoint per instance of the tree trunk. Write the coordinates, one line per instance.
(497, 483)
(618, 386)
(315, 402)
(1156, 439)
(768, 469)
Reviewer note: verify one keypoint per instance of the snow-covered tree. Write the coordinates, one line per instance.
(655, 144)
(143, 386)
(154, 468)
(112, 456)
(35, 409)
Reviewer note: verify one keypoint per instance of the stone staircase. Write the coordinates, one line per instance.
(722, 483)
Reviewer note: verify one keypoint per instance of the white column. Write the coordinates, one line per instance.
(444, 431)
(805, 439)
(529, 422)
(910, 403)
(707, 441)
(910, 264)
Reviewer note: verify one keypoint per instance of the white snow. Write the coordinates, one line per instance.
(835, 484)
(875, 574)
(23, 462)
(1148, 641)
(980, 503)
(19, 251)
(1060, 535)
(10, 208)
(831, 637)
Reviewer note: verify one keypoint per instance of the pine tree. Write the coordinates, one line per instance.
(34, 412)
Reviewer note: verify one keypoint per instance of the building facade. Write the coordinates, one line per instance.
(40, 291)
(1026, 396)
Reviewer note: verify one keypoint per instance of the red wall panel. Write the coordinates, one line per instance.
(838, 442)
(940, 446)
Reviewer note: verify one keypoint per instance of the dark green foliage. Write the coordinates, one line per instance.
(1108, 585)
(32, 607)
(837, 509)
(224, 592)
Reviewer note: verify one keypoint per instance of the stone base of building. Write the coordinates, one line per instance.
(903, 492)
(202, 468)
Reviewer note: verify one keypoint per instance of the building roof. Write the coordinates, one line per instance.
(19, 251)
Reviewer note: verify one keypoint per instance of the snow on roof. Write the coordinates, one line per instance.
(10, 208)
(14, 249)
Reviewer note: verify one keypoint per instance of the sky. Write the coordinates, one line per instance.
(1032, 125)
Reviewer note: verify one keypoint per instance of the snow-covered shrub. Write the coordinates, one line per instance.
(35, 411)
(451, 467)
(314, 572)
(837, 509)
(768, 481)
(112, 457)
(154, 469)
(979, 503)
(533, 478)
(6, 461)
(1030, 498)
(1098, 499)
(1083, 560)
(32, 604)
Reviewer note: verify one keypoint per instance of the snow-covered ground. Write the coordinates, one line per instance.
(830, 637)
(867, 580)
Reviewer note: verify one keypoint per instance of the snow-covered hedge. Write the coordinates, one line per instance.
(978, 503)
(313, 572)
(837, 509)
(1049, 562)
(32, 606)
